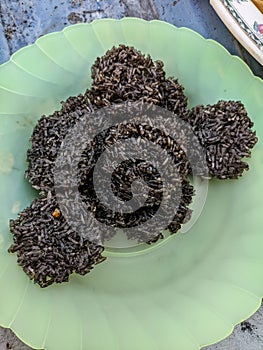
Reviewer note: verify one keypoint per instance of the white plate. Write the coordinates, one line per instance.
(245, 21)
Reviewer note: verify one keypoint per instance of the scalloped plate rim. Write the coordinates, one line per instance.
(27, 48)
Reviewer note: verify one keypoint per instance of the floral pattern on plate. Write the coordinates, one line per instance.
(245, 21)
(258, 27)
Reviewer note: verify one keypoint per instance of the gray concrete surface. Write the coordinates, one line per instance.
(23, 21)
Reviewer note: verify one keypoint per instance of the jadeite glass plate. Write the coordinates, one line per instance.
(184, 294)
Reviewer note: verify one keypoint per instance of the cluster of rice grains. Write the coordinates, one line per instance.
(48, 249)
(123, 73)
(47, 137)
(123, 177)
(224, 131)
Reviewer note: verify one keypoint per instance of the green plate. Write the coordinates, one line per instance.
(184, 294)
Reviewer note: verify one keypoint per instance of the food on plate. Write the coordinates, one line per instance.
(225, 132)
(48, 248)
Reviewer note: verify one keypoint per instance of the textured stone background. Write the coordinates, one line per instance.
(23, 21)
